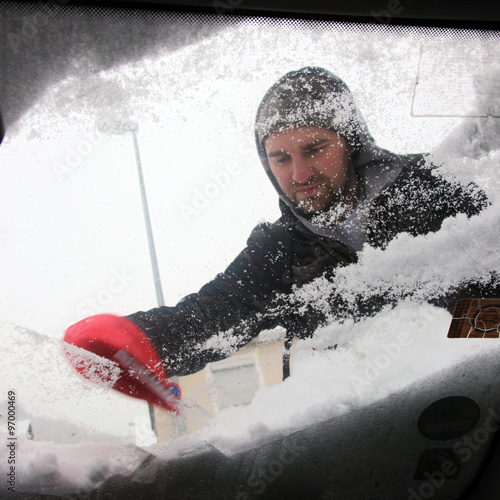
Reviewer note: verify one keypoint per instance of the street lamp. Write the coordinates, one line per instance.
(120, 127)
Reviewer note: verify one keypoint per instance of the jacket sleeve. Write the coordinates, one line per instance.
(419, 201)
(228, 311)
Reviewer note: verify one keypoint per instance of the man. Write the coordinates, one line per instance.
(338, 191)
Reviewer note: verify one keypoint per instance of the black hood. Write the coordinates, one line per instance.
(313, 96)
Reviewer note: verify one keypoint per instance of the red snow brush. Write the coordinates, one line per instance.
(118, 339)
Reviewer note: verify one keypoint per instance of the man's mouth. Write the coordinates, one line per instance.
(307, 191)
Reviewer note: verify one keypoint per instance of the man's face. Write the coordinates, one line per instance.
(313, 168)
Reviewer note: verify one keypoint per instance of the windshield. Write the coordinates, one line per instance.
(130, 179)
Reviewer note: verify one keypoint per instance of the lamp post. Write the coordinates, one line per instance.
(120, 127)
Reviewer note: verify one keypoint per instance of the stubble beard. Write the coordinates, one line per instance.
(338, 203)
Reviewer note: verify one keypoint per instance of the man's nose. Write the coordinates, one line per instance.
(302, 169)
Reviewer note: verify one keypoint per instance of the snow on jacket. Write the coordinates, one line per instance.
(400, 194)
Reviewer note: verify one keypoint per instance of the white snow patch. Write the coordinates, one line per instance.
(375, 358)
(57, 469)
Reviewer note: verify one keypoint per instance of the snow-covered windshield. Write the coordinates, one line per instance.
(178, 112)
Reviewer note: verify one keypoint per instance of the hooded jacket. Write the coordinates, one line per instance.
(399, 194)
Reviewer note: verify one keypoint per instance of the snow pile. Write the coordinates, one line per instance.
(45, 467)
(374, 358)
(17, 341)
(464, 250)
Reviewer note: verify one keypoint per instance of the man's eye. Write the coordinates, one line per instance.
(314, 151)
(281, 160)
